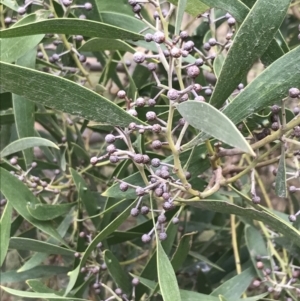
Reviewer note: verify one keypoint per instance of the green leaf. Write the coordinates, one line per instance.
(117, 273)
(193, 7)
(24, 109)
(86, 28)
(78, 100)
(20, 243)
(236, 286)
(111, 227)
(46, 212)
(266, 89)
(124, 21)
(37, 272)
(208, 119)
(204, 259)
(5, 224)
(18, 195)
(263, 215)
(256, 246)
(239, 11)
(49, 296)
(182, 250)
(98, 44)
(14, 48)
(179, 14)
(25, 143)
(185, 295)
(166, 276)
(86, 196)
(38, 258)
(280, 184)
(250, 43)
(12, 4)
(39, 287)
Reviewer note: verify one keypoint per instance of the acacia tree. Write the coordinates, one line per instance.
(150, 150)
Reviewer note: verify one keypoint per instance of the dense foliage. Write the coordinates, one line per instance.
(150, 150)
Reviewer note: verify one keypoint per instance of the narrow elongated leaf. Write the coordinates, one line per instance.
(120, 20)
(46, 212)
(166, 276)
(204, 259)
(264, 215)
(98, 44)
(86, 196)
(77, 100)
(111, 227)
(18, 195)
(115, 270)
(239, 11)
(5, 223)
(236, 286)
(185, 295)
(179, 14)
(38, 258)
(25, 143)
(206, 118)
(280, 184)
(37, 272)
(14, 48)
(265, 90)
(20, 243)
(251, 41)
(182, 251)
(12, 4)
(70, 26)
(39, 287)
(257, 247)
(269, 87)
(24, 109)
(48, 296)
(193, 7)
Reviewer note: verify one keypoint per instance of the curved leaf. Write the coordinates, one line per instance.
(233, 288)
(18, 195)
(193, 7)
(208, 119)
(48, 296)
(166, 276)
(280, 184)
(20, 243)
(14, 48)
(66, 96)
(269, 87)
(5, 223)
(37, 272)
(46, 212)
(99, 44)
(257, 247)
(116, 272)
(127, 22)
(24, 109)
(265, 90)
(111, 227)
(264, 215)
(70, 26)
(25, 143)
(179, 15)
(251, 41)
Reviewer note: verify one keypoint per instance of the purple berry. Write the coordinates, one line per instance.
(146, 238)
